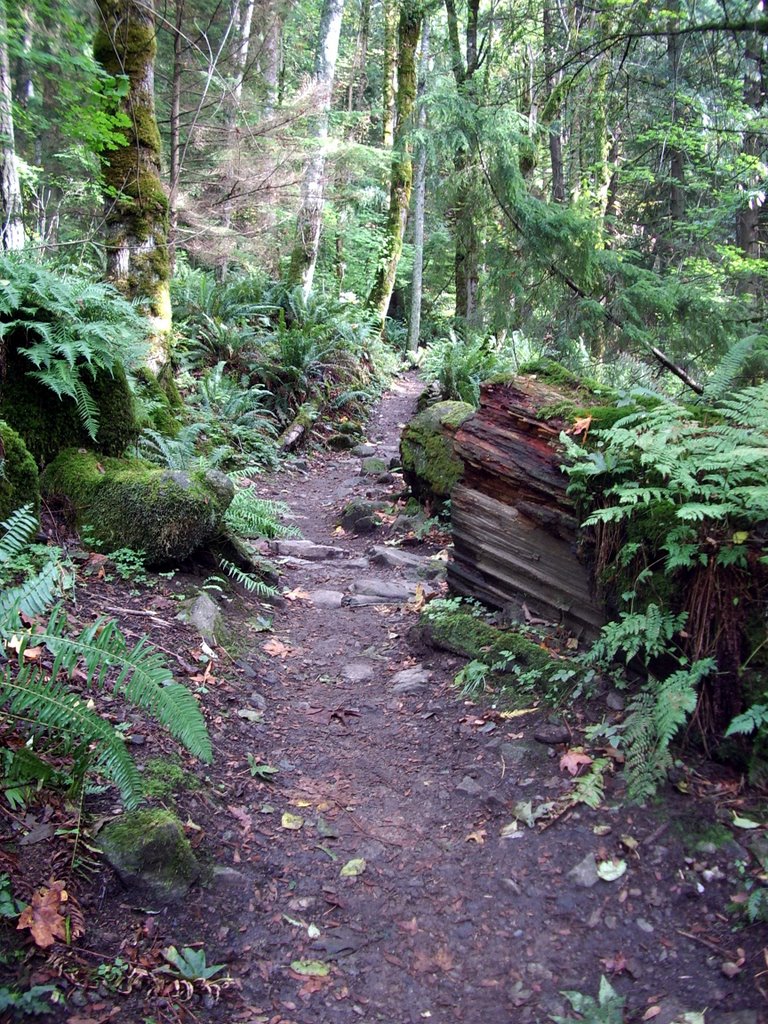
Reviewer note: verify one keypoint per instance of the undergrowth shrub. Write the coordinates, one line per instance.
(41, 653)
(460, 365)
(678, 501)
(67, 328)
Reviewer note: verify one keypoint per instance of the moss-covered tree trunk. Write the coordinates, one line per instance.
(420, 201)
(401, 181)
(389, 83)
(136, 202)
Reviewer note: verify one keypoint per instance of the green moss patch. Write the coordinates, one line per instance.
(470, 636)
(48, 424)
(19, 482)
(149, 851)
(167, 514)
(430, 466)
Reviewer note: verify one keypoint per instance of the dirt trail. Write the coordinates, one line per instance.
(449, 921)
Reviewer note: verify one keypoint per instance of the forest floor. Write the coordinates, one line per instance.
(381, 873)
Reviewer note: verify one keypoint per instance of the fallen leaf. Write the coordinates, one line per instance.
(629, 843)
(611, 870)
(651, 1012)
(293, 822)
(477, 837)
(745, 823)
(297, 594)
(250, 715)
(517, 713)
(581, 425)
(311, 968)
(418, 601)
(44, 916)
(275, 648)
(353, 868)
(573, 760)
(242, 816)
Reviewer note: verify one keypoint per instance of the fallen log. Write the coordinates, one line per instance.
(515, 530)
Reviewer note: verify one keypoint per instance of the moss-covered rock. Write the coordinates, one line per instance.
(430, 466)
(167, 514)
(373, 466)
(48, 424)
(19, 479)
(470, 636)
(149, 851)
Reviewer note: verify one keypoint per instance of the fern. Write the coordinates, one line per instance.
(655, 715)
(36, 697)
(250, 516)
(67, 327)
(253, 584)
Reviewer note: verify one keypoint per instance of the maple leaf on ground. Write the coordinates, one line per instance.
(573, 760)
(297, 594)
(275, 648)
(46, 919)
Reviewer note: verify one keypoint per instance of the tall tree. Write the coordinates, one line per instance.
(466, 263)
(12, 224)
(401, 180)
(309, 222)
(419, 201)
(136, 203)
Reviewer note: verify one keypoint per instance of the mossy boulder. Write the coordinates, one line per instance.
(165, 513)
(19, 479)
(430, 465)
(470, 636)
(150, 853)
(48, 423)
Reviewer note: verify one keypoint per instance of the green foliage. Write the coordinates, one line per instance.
(38, 1000)
(67, 328)
(608, 1008)
(460, 365)
(250, 516)
(37, 696)
(679, 499)
(190, 964)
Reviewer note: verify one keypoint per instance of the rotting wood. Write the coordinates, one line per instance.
(514, 526)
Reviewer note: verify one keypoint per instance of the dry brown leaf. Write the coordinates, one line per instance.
(297, 594)
(242, 816)
(651, 1012)
(477, 837)
(43, 916)
(275, 648)
(573, 760)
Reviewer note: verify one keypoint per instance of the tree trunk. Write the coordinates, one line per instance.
(271, 57)
(750, 218)
(420, 195)
(242, 20)
(136, 204)
(553, 79)
(359, 78)
(309, 222)
(389, 86)
(175, 132)
(466, 257)
(676, 156)
(12, 225)
(402, 165)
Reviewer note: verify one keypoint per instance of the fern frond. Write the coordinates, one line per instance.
(31, 697)
(143, 678)
(18, 529)
(252, 583)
